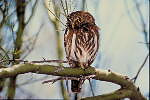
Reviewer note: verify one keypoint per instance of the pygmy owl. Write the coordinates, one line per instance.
(81, 42)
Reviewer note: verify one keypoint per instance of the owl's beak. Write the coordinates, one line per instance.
(73, 26)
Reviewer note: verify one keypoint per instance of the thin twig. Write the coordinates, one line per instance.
(144, 43)
(50, 61)
(91, 88)
(66, 6)
(137, 5)
(130, 16)
(141, 67)
(67, 85)
(5, 52)
(33, 43)
(32, 81)
(56, 17)
(63, 7)
(33, 12)
(43, 61)
(69, 78)
(128, 90)
(54, 80)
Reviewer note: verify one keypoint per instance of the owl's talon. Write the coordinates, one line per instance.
(84, 69)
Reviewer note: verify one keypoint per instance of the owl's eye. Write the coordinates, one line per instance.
(68, 19)
(85, 28)
(79, 19)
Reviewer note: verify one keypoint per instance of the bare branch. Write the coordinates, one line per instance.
(50, 61)
(32, 44)
(63, 8)
(137, 5)
(40, 61)
(127, 90)
(33, 12)
(66, 7)
(70, 78)
(116, 95)
(32, 81)
(130, 16)
(56, 17)
(141, 18)
(91, 88)
(141, 67)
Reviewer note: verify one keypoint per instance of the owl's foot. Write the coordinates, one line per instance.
(84, 67)
(87, 77)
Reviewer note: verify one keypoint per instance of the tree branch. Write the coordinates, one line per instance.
(127, 90)
(33, 12)
(116, 95)
(141, 67)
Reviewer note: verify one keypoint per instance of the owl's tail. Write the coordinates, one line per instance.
(76, 86)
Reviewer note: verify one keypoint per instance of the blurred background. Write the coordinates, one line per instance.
(29, 30)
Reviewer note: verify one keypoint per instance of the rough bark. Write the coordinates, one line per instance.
(127, 90)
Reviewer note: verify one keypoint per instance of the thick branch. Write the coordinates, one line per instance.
(127, 90)
(117, 95)
(44, 69)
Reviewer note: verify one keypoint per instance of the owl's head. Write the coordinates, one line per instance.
(77, 19)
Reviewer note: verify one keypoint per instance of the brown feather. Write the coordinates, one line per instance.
(81, 42)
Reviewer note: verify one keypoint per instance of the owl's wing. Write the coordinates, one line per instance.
(67, 42)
